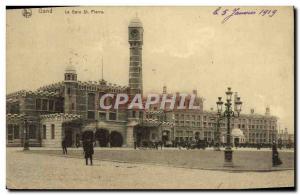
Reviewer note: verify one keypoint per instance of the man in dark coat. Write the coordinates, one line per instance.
(64, 146)
(88, 148)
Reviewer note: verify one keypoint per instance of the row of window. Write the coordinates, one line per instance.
(48, 105)
(188, 123)
(187, 117)
(102, 115)
(184, 133)
(205, 124)
(14, 131)
(206, 118)
(71, 77)
(96, 87)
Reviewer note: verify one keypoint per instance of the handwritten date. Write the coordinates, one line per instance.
(229, 13)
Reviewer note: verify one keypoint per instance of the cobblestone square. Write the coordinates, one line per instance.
(32, 170)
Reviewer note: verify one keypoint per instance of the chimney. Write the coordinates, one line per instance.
(195, 92)
(252, 110)
(267, 111)
(164, 89)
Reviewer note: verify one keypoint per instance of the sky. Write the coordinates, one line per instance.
(185, 48)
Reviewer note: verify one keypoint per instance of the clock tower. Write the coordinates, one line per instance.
(135, 39)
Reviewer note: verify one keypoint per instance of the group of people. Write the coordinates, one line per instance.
(88, 149)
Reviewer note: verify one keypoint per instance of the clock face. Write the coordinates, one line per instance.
(134, 34)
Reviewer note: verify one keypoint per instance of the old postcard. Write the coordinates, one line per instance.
(150, 97)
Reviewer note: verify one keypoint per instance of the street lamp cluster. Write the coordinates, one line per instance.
(228, 114)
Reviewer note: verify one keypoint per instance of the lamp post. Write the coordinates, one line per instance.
(217, 132)
(26, 141)
(228, 114)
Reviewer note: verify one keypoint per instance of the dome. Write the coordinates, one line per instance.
(70, 69)
(135, 22)
(237, 133)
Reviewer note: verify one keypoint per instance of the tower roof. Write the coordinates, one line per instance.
(70, 69)
(135, 22)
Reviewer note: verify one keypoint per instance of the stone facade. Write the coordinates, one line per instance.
(70, 110)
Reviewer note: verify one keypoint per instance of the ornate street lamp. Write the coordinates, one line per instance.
(228, 114)
(217, 132)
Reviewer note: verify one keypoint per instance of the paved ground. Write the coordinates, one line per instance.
(244, 160)
(30, 170)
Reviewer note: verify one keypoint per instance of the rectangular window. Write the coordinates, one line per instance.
(38, 104)
(91, 101)
(193, 117)
(44, 104)
(10, 132)
(52, 131)
(91, 115)
(16, 132)
(51, 105)
(181, 123)
(102, 116)
(14, 109)
(44, 132)
(112, 116)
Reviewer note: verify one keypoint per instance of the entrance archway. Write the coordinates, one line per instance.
(102, 135)
(116, 139)
(142, 135)
(69, 137)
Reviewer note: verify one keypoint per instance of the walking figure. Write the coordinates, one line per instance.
(64, 146)
(88, 149)
(275, 156)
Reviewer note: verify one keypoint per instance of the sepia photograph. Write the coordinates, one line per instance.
(150, 98)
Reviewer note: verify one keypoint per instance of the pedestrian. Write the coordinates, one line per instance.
(77, 140)
(134, 145)
(88, 149)
(64, 146)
